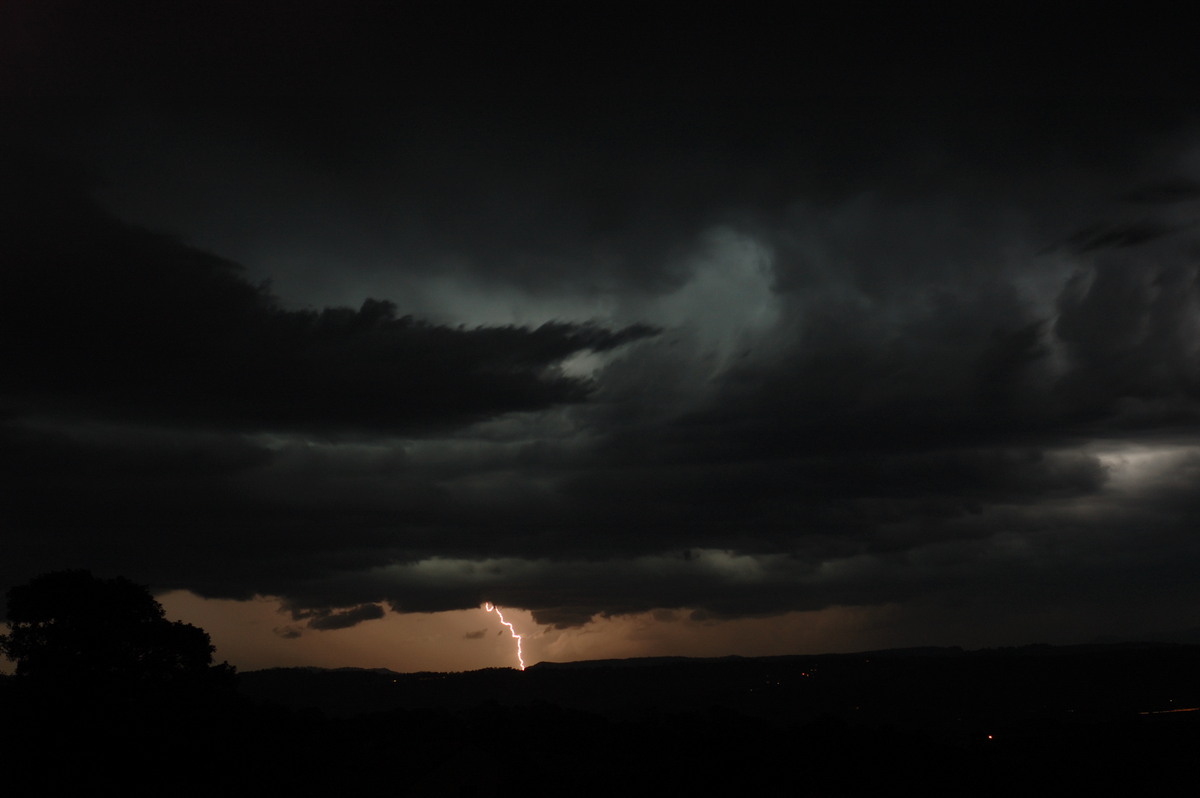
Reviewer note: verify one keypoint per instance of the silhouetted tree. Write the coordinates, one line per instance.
(70, 627)
(105, 677)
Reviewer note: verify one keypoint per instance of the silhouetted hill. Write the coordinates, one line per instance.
(928, 687)
(1034, 720)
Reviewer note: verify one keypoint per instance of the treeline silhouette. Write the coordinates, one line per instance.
(110, 696)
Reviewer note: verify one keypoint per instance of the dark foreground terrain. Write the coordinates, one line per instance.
(1032, 721)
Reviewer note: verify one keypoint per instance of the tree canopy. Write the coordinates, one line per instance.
(70, 626)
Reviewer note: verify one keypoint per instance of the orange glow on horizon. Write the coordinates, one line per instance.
(262, 633)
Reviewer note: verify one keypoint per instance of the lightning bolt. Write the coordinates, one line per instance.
(490, 607)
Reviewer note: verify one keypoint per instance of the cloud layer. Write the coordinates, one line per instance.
(731, 340)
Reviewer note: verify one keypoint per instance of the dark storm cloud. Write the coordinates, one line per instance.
(94, 451)
(1163, 193)
(136, 367)
(869, 458)
(878, 381)
(1128, 326)
(1128, 234)
(549, 151)
(106, 320)
(342, 619)
(941, 449)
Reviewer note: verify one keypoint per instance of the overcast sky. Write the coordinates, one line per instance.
(672, 334)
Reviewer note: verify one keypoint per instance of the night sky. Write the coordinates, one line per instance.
(668, 333)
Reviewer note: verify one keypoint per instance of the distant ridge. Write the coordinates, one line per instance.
(924, 686)
(628, 662)
(634, 662)
(1183, 638)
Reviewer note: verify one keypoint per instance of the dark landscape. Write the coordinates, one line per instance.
(1036, 720)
